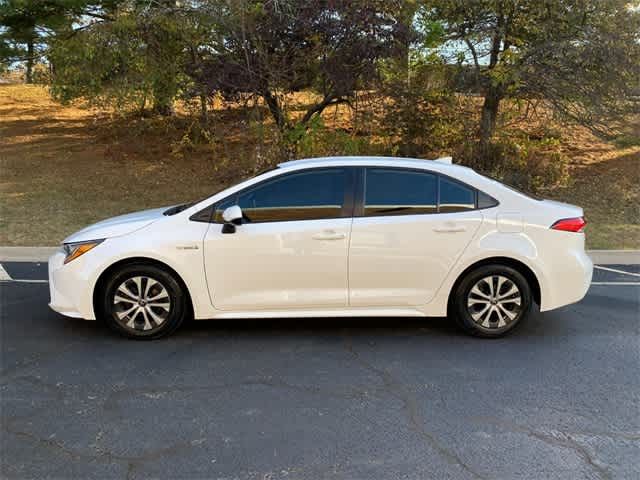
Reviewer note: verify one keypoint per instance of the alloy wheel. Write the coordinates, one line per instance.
(141, 303)
(494, 302)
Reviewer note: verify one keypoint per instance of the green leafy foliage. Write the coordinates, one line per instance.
(132, 58)
(582, 56)
(314, 139)
(421, 64)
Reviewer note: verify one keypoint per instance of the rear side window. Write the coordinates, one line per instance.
(456, 197)
(399, 192)
(310, 195)
(486, 201)
(394, 191)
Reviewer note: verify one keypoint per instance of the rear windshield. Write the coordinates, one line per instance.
(514, 189)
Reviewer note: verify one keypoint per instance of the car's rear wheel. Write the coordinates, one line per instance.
(143, 302)
(491, 301)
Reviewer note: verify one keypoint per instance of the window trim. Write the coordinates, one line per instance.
(347, 201)
(462, 184)
(359, 208)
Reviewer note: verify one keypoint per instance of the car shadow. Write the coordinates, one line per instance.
(324, 326)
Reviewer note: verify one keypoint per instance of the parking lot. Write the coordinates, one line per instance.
(322, 399)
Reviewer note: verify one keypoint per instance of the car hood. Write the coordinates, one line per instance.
(117, 226)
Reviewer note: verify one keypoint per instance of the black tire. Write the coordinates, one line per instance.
(489, 325)
(171, 313)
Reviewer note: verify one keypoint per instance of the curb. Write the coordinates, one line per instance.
(613, 257)
(26, 254)
(42, 254)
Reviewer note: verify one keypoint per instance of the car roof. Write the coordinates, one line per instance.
(443, 164)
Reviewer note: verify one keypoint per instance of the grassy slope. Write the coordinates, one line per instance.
(605, 181)
(64, 167)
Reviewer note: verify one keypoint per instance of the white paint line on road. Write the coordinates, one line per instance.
(616, 271)
(4, 276)
(13, 280)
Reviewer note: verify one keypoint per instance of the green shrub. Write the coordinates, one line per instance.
(530, 165)
(315, 139)
(422, 118)
(627, 141)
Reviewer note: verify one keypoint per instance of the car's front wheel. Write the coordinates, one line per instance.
(491, 301)
(143, 302)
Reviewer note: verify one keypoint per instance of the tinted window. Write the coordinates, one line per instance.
(455, 197)
(309, 195)
(399, 192)
(486, 201)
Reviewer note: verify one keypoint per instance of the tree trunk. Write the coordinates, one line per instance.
(274, 108)
(143, 105)
(163, 104)
(164, 92)
(487, 127)
(489, 115)
(492, 96)
(204, 117)
(29, 72)
(319, 107)
(163, 108)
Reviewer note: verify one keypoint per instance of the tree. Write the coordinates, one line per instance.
(125, 52)
(273, 48)
(27, 25)
(583, 56)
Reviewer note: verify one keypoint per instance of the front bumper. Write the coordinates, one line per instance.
(67, 288)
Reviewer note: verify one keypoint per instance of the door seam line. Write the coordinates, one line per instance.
(349, 263)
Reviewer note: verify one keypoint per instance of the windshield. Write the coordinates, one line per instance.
(183, 206)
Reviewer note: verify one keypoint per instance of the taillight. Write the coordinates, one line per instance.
(570, 224)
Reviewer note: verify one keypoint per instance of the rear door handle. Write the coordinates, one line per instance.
(452, 229)
(329, 235)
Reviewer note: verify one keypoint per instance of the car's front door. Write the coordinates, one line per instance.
(291, 250)
(413, 228)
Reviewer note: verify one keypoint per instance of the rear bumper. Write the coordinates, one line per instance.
(67, 287)
(568, 281)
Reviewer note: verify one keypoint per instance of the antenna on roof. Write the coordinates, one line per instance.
(447, 160)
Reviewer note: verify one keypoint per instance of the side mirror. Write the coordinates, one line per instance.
(232, 216)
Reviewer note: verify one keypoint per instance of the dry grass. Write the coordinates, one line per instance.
(605, 181)
(64, 167)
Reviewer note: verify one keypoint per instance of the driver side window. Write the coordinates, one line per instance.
(307, 195)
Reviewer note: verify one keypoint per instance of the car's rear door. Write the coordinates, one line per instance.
(409, 230)
(291, 250)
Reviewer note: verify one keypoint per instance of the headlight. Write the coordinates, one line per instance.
(75, 249)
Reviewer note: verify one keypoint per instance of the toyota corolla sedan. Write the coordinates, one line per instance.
(330, 237)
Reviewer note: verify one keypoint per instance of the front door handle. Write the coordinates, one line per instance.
(329, 235)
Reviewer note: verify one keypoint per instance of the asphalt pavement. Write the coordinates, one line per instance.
(388, 398)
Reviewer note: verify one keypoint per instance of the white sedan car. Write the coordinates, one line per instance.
(330, 237)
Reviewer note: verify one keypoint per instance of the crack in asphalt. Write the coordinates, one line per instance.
(104, 455)
(396, 389)
(111, 400)
(556, 438)
(35, 399)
